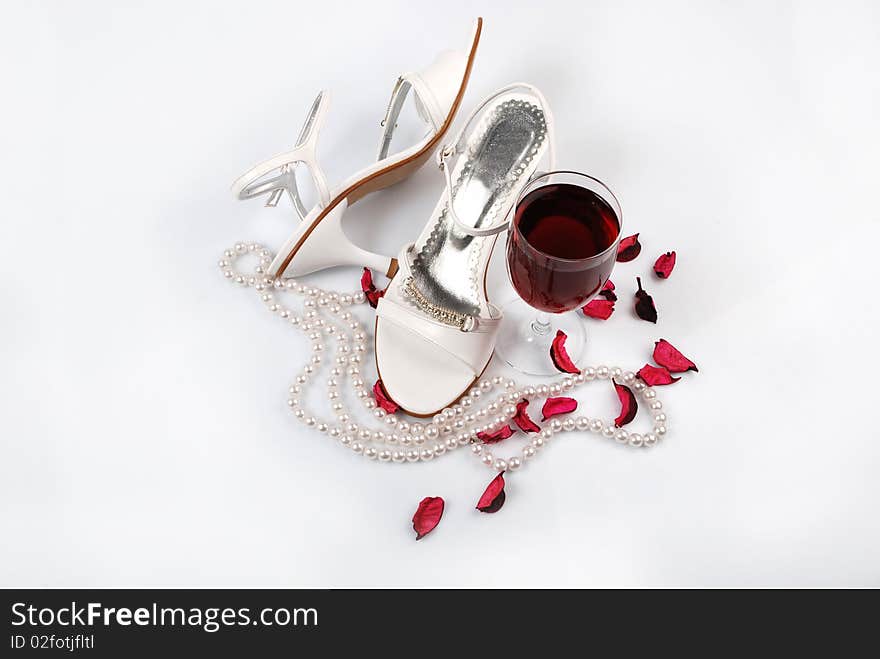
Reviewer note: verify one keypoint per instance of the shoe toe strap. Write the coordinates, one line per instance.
(472, 348)
(434, 89)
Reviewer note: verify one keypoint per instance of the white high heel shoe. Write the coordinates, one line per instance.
(319, 241)
(435, 326)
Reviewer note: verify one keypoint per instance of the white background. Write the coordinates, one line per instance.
(144, 431)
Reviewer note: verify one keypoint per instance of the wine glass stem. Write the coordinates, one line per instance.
(541, 324)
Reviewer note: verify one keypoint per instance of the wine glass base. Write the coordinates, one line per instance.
(524, 344)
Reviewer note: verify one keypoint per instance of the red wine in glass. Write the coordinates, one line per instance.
(559, 251)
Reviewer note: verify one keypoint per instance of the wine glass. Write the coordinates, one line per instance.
(561, 248)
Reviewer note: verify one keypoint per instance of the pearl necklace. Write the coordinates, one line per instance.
(327, 316)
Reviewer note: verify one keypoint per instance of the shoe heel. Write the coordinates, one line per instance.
(324, 245)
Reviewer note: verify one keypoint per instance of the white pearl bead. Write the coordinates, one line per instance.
(635, 439)
(538, 442)
(621, 436)
(602, 372)
(648, 394)
(487, 459)
(615, 372)
(568, 424)
(508, 411)
(477, 449)
(659, 430)
(431, 432)
(529, 452)
(589, 373)
(426, 454)
(371, 453)
(500, 465)
(440, 449)
(546, 434)
(556, 425)
(660, 417)
(357, 447)
(582, 423)
(609, 432)
(639, 386)
(650, 439)
(398, 456)
(514, 463)
(412, 455)
(597, 425)
(656, 405)
(384, 455)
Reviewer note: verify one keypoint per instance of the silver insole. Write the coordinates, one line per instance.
(448, 265)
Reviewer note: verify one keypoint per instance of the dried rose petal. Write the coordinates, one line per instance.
(601, 309)
(383, 400)
(645, 304)
(427, 516)
(522, 418)
(558, 405)
(629, 248)
(628, 405)
(653, 375)
(493, 498)
(666, 355)
(369, 288)
(495, 437)
(559, 355)
(608, 291)
(664, 265)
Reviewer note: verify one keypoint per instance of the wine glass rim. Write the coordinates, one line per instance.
(618, 212)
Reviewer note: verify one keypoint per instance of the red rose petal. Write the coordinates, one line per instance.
(628, 405)
(522, 418)
(493, 498)
(558, 405)
(383, 400)
(629, 248)
(495, 437)
(667, 355)
(369, 288)
(645, 304)
(664, 265)
(608, 291)
(559, 355)
(427, 516)
(653, 375)
(601, 309)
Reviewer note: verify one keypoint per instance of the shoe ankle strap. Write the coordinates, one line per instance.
(253, 184)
